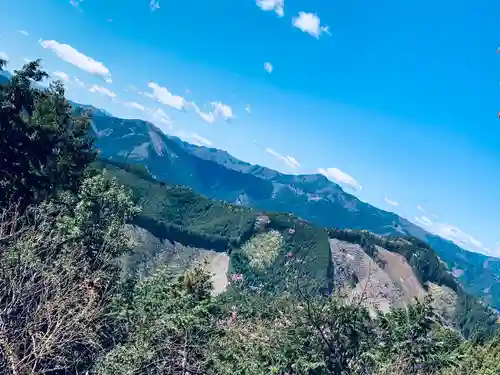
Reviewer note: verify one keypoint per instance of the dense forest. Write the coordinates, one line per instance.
(66, 307)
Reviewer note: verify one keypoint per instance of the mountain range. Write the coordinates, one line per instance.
(282, 254)
(216, 174)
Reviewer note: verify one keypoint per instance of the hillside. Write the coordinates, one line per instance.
(100, 274)
(281, 253)
(216, 174)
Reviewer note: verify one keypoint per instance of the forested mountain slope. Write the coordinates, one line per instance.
(279, 252)
(216, 174)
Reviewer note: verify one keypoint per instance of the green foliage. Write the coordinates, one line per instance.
(57, 277)
(178, 214)
(168, 323)
(477, 359)
(346, 333)
(264, 335)
(44, 147)
(407, 336)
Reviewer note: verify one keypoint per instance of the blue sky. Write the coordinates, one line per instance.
(400, 98)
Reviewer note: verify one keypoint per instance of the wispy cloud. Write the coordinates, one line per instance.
(341, 177)
(278, 6)
(159, 118)
(135, 105)
(62, 76)
(199, 140)
(310, 23)
(223, 111)
(71, 80)
(154, 5)
(194, 138)
(452, 233)
(164, 96)
(391, 202)
(71, 55)
(102, 90)
(206, 116)
(24, 32)
(79, 82)
(268, 67)
(219, 111)
(76, 3)
(288, 160)
(130, 88)
(248, 108)
(4, 56)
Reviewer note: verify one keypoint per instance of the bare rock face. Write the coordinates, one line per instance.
(383, 282)
(149, 252)
(361, 278)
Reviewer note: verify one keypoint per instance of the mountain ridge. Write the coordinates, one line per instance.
(273, 251)
(218, 175)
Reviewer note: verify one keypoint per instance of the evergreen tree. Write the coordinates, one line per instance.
(43, 147)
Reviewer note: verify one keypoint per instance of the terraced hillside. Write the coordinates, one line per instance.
(280, 253)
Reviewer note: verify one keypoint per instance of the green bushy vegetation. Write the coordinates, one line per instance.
(66, 307)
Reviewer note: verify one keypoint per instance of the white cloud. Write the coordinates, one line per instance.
(268, 67)
(277, 6)
(248, 108)
(201, 140)
(71, 55)
(341, 177)
(310, 23)
(75, 3)
(102, 90)
(208, 117)
(79, 82)
(219, 111)
(288, 160)
(391, 202)
(154, 4)
(194, 138)
(421, 209)
(164, 96)
(160, 118)
(130, 88)
(4, 56)
(135, 105)
(62, 76)
(24, 32)
(452, 233)
(423, 221)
